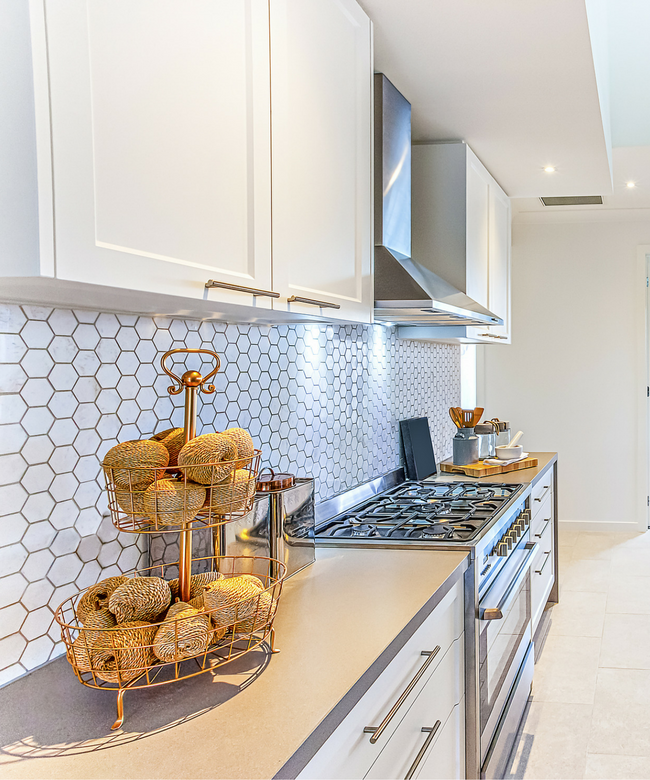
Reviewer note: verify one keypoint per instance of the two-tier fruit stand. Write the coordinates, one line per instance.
(153, 637)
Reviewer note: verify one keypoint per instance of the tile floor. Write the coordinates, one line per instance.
(589, 716)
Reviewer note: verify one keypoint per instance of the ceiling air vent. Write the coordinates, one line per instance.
(578, 200)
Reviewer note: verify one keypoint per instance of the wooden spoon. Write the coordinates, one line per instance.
(478, 413)
(455, 416)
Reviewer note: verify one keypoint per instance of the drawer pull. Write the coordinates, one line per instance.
(377, 731)
(493, 335)
(240, 288)
(313, 302)
(548, 557)
(432, 733)
(543, 531)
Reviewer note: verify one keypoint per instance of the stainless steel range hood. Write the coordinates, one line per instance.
(407, 290)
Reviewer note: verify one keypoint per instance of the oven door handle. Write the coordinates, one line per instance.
(496, 613)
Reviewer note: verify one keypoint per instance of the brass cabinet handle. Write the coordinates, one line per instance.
(240, 288)
(313, 302)
(539, 536)
(548, 558)
(377, 731)
(492, 336)
(432, 733)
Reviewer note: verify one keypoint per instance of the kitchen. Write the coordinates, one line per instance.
(321, 397)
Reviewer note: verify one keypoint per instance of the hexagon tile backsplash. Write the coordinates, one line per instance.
(321, 400)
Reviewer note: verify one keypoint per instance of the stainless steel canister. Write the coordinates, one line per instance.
(465, 447)
(487, 441)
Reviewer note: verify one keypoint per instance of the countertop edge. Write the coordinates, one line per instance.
(308, 749)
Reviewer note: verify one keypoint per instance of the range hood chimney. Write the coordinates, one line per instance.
(407, 291)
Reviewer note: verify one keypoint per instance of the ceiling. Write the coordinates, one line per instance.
(528, 84)
(515, 79)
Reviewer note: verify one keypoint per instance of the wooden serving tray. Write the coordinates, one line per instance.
(482, 469)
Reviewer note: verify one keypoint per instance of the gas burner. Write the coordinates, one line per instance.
(422, 511)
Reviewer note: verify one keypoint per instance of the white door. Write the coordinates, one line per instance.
(161, 144)
(321, 74)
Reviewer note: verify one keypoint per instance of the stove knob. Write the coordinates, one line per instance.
(525, 516)
(502, 549)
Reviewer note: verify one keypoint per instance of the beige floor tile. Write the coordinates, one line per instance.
(628, 595)
(565, 556)
(584, 575)
(636, 541)
(606, 767)
(566, 538)
(579, 613)
(621, 713)
(595, 546)
(631, 561)
(567, 670)
(626, 642)
(554, 742)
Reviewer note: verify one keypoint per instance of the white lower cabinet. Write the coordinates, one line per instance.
(437, 695)
(542, 531)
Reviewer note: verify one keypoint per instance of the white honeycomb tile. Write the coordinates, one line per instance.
(37, 652)
(11, 648)
(37, 623)
(64, 486)
(89, 575)
(108, 351)
(64, 570)
(107, 325)
(37, 594)
(63, 322)
(63, 377)
(37, 478)
(86, 337)
(12, 348)
(12, 498)
(86, 389)
(12, 318)
(12, 468)
(37, 420)
(12, 588)
(86, 363)
(12, 379)
(39, 536)
(66, 541)
(64, 515)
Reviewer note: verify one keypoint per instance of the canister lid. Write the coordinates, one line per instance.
(484, 429)
(274, 481)
(504, 425)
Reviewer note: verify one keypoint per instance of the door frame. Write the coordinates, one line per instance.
(642, 296)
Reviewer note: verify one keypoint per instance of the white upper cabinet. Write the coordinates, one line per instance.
(321, 77)
(160, 137)
(154, 151)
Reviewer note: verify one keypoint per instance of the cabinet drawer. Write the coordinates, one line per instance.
(541, 579)
(434, 705)
(541, 523)
(348, 752)
(542, 489)
(447, 757)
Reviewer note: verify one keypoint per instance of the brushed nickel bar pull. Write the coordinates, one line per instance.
(313, 302)
(539, 536)
(377, 731)
(432, 733)
(548, 558)
(240, 288)
(492, 336)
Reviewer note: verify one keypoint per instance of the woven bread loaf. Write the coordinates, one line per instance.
(82, 646)
(233, 494)
(197, 584)
(184, 633)
(123, 653)
(135, 464)
(173, 501)
(244, 443)
(95, 599)
(209, 448)
(231, 600)
(253, 580)
(173, 440)
(140, 598)
(262, 616)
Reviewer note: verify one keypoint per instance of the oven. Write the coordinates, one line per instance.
(505, 655)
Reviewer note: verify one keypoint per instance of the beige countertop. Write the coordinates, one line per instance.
(336, 619)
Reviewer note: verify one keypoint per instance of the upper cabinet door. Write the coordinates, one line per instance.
(321, 75)
(477, 226)
(161, 144)
(499, 262)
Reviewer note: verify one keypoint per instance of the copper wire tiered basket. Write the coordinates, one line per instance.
(127, 656)
(174, 621)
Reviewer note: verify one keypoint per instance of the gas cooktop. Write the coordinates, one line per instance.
(420, 511)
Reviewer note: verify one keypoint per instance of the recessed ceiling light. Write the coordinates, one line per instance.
(630, 184)
(550, 169)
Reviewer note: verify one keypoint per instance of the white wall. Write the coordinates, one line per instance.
(571, 378)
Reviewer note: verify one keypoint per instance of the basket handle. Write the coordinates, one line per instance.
(190, 378)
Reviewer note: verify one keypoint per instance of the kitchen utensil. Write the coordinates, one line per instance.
(487, 469)
(478, 413)
(506, 452)
(470, 417)
(515, 440)
(487, 440)
(456, 417)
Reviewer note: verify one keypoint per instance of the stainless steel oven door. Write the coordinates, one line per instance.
(504, 637)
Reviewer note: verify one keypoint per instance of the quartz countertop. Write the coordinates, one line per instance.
(336, 619)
